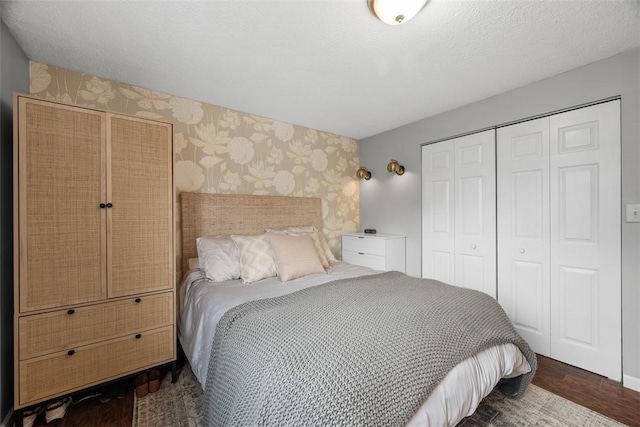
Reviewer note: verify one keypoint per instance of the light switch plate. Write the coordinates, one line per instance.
(633, 213)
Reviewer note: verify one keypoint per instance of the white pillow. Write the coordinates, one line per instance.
(295, 255)
(323, 241)
(218, 257)
(256, 259)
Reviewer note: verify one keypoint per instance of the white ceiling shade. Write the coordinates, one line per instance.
(396, 12)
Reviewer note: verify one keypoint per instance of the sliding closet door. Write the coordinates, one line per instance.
(585, 238)
(559, 222)
(438, 232)
(458, 212)
(475, 212)
(523, 229)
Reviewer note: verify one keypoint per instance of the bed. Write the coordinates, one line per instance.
(252, 365)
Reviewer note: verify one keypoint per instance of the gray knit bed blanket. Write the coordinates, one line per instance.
(365, 351)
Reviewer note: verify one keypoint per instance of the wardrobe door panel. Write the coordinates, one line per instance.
(62, 244)
(523, 229)
(141, 218)
(585, 238)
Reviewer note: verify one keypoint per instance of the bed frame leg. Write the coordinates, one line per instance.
(509, 387)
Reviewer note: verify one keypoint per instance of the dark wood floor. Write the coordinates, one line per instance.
(593, 391)
(113, 407)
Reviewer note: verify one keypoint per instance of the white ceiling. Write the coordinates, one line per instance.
(325, 64)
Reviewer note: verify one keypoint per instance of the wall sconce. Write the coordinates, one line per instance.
(363, 173)
(395, 12)
(396, 167)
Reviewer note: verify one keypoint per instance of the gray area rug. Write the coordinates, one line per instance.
(180, 404)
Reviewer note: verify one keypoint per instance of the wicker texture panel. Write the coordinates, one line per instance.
(56, 331)
(142, 213)
(62, 244)
(205, 214)
(41, 378)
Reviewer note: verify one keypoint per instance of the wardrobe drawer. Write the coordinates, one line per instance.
(47, 376)
(376, 262)
(364, 245)
(63, 329)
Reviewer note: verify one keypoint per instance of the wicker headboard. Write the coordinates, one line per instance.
(204, 214)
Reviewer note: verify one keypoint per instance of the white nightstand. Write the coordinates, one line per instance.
(377, 251)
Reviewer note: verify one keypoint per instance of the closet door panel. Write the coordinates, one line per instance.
(578, 294)
(585, 238)
(523, 229)
(437, 211)
(475, 198)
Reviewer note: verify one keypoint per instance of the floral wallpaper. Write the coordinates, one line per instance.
(218, 150)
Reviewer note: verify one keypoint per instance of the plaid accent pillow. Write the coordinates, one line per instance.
(256, 259)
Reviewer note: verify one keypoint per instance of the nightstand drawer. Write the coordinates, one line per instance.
(365, 245)
(378, 251)
(376, 262)
(62, 372)
(42, 334)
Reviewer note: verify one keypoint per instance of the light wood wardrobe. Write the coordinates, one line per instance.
(94, 257)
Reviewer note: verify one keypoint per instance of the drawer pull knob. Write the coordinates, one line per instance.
(360, 253)
(70, 312)
(71, 352)
(102, 205)
(138, 336)
(360, 237)
(109, 205)
(138, 299)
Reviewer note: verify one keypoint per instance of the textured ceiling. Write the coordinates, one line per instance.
(325, 64)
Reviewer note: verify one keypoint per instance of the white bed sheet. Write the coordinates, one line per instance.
(203, 303)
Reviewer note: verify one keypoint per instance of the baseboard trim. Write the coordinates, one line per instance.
(631, 382)
(8, 420)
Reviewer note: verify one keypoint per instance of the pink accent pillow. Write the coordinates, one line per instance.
(295, 256)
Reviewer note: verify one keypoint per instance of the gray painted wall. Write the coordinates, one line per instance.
(14, 76)
(392, 204)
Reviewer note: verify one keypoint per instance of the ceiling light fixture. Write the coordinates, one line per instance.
(395, 12)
